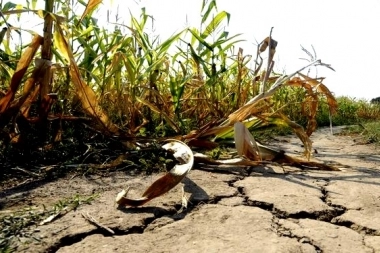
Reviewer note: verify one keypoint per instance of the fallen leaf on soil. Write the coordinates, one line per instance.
(246, 145)
(184, 155)
(253, 153)
(204, 159)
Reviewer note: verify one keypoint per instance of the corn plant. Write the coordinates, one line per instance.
(129, 84)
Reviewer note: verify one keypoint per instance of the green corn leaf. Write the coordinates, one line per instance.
(34, 3)
(194, 55)
(201, 39)
(225, 48)
(19, 7)
(173, 87)
(130, 65)
(8, 6)
(210, 7)
(58, 55)
(86, 32)
(215, 23)
(163, 47)
(2, 34)
(198, 60)
(223, 35)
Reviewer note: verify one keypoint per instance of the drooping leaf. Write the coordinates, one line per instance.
(314, 88)
(22, 66)
(215, 23)
(243, 112)
(200, 39)
(198, 60)
(320, 87)
(245, 144)
(280, 119)
(8, 6)
(85, 94)
(154, 108)
(90, 7)
(184, 156)
(265, 43)
(165, 45)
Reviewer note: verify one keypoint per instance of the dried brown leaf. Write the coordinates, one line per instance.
(265, 43)
(184, 155)
(272, 156)
(310, 106)
(154, 108)
(245, 144)
(247, 110)
(22, 66)
(201, 158)
(85, 94)
(299, 131)
(200, 143)
(90, 7)
(317, 83)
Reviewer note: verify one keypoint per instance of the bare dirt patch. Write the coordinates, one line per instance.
(262, 209)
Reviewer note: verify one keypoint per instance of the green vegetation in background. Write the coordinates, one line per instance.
(147, 91)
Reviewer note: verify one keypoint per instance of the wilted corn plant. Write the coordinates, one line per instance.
(129, 82)
(29, 99)
(211, 87)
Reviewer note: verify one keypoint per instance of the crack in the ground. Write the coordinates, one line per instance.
(217, 198)
(175, 214)
(285, 232)
(324, 215)
(232, 182)
(138, 229)
(75, 238)
(358, 228)
(328, 215)
(340, 210)
(369, 247)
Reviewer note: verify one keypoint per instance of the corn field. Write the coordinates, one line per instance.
(192, 86)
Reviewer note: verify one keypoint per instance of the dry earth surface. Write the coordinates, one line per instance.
(262, 209)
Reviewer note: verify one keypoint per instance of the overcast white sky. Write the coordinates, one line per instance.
(343, 33)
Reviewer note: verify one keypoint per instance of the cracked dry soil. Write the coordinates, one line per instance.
(262, 209)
